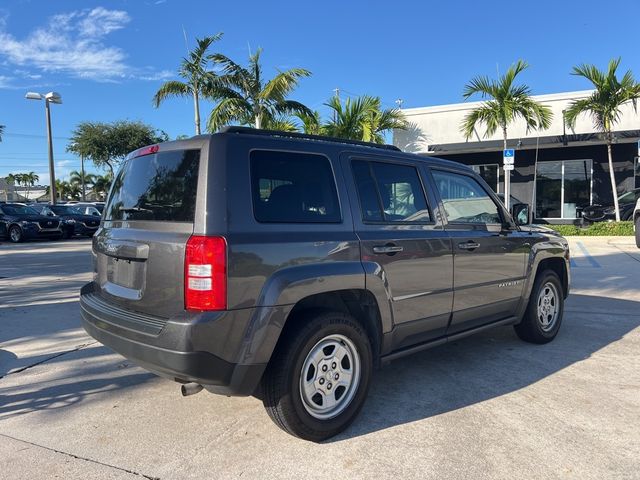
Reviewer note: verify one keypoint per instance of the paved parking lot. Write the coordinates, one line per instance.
(489, 406)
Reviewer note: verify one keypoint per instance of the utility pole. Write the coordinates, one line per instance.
(336, 91)
(84, 198)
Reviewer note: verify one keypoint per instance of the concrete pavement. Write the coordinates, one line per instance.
(489, 406)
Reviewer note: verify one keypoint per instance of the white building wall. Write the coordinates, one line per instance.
(440, 124)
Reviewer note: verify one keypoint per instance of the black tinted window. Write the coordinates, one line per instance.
(464, 199)
(293, 188)
(156, 187)
(390, 192)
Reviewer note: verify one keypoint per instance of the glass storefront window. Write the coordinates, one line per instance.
(563, 188)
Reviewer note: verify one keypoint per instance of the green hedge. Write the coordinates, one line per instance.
(600, 229)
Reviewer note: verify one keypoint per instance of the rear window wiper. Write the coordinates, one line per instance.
(134, 209)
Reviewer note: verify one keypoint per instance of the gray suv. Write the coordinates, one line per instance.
(289, 266)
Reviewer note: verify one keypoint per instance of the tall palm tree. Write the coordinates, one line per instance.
(505, 102)
(30, 180)
(2, 127)
(363, 119)
(194, 70)
(604, 105)
(245, 97)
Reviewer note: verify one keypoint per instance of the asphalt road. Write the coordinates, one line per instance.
(485, 407)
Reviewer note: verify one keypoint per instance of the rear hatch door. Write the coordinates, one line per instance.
(149, 216)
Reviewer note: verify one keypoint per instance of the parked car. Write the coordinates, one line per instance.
(87, 208)
(20, 222)
(636, 222)
(74, 220)
(289, 266)
(626, 202)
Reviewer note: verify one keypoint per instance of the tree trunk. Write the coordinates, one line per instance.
(507, 175)
(196, 107)
(612, 175)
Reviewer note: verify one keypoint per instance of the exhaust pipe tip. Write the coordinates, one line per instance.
(190, 389)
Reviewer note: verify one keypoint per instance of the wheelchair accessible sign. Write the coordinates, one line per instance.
(508, 157)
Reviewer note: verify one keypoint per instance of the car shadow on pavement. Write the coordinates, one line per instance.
(487, 365)
(76, 377)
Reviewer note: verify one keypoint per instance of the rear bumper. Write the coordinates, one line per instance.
(185, 350)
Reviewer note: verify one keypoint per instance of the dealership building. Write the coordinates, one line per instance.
(560, 171)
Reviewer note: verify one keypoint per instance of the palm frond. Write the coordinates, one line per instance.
(172, 88)
(229, 110)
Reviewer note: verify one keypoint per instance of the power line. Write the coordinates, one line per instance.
(32, 135)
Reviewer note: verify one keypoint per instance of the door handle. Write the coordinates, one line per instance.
(470, 245)
(388, 249)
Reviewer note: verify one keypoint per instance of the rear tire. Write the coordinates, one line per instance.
(543, 317)
(638, 232)
(15, 234)
(318, 379)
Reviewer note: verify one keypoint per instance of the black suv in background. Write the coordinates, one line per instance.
(75, 222)
(289, 266)
(20, 222)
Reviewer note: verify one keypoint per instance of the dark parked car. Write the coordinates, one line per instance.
(289, 266)
(626, 202)
(20, 222)
(75, 222)
(95, 208)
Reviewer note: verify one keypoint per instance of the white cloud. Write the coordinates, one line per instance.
(74, 43)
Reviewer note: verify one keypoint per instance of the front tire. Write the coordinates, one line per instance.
(543, 316)
(318, 380)
(15, 234)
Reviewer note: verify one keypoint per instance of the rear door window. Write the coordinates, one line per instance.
(159, 187)
(390, 192)
(293, 188)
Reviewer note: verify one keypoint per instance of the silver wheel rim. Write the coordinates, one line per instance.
(15, 235)
(330, 377)
(548, 308)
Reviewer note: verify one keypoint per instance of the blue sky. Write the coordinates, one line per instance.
(107, 58)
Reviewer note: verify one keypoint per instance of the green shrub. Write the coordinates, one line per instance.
(599, 229)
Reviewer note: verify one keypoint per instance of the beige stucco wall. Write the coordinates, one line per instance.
(441, 124)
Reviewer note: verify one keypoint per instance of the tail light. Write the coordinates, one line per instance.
(205, 273)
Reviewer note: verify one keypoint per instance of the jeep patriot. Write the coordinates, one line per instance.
(289, 266)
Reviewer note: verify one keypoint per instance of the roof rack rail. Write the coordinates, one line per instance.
(305, 136)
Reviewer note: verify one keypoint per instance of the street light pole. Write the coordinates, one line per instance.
(51, 97)
(52, 175)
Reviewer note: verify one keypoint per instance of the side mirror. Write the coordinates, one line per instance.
(521, 213)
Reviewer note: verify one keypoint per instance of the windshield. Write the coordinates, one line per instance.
(19, 210)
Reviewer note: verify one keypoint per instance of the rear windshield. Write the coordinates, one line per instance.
(156, 187)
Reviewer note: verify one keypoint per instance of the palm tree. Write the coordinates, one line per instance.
(362, 119)
(2, 127)
(311, 124)
(30, 180)
(505, 103)
(101, 184)
(194, 70)
(246, 98)
(604, 105)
